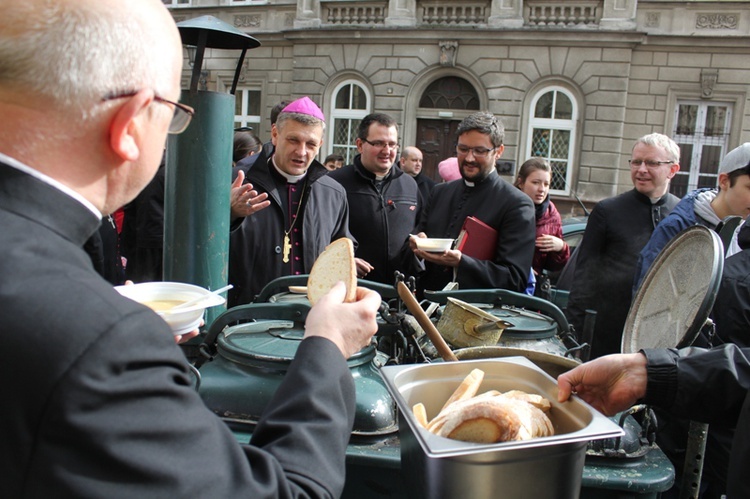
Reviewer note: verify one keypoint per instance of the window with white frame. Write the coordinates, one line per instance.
(247, 107)
(176, 3)
(701, 129)
(350, 103)
(552, 133)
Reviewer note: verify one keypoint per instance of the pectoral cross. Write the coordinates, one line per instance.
(287, 248)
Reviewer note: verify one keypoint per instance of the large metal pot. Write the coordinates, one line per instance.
(252, 358)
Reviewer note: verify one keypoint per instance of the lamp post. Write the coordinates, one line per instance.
(198, 168)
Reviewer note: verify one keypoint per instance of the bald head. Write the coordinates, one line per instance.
(88, 77)
(411, 160)
(72, 53)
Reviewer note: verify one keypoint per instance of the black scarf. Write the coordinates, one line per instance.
(541, 208)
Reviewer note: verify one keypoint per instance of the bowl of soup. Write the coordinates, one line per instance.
(163, 297)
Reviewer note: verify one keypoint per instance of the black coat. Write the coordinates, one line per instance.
(710, 387)
(731, 311)
(98, 400)
(425, 185)
(501, 206)
(616, 231)
(255, 244)
(381, 218)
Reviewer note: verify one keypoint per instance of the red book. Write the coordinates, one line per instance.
(477, 239)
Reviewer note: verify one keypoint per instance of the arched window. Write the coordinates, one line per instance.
(450, 92)
(350, 103)
(552, 133)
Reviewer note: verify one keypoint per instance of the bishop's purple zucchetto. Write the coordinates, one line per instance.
(304, 105)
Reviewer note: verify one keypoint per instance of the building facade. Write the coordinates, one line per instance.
(575, 81)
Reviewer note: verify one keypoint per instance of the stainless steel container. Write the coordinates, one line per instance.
(436, 467)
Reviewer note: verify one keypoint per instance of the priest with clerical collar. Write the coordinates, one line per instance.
(287, 210)
(482, 194)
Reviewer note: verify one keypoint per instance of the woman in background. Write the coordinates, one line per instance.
(551, 252)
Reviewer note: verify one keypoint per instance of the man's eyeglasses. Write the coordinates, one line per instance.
(479, 152)
(650, 164)
(379, 144)
(180, 119)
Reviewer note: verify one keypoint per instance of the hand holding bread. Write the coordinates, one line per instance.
(341, 312)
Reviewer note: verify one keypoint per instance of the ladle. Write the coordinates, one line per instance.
(412, 305)
(192, 302)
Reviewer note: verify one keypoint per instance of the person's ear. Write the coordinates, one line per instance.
(274, 134)
(126, 125)
(673, 170)
(724, 183)
(360, 144)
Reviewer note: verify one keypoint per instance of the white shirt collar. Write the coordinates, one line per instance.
(292, 179)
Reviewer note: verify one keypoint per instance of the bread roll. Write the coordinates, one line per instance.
(335, 263)
(492, 419)
(467, 389)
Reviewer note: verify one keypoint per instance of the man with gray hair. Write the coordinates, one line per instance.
(98, 400)
(617, 229)
(479, 193)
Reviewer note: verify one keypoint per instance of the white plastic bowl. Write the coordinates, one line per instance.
(159, 295)
(434, 245)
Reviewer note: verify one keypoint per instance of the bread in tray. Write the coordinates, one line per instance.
(492, 416)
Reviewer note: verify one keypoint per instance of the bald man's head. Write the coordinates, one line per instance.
(69, 54)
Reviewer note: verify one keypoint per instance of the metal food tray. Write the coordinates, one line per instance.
(438, 467)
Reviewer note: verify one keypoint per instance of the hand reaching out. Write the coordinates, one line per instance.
(244, 200)
(611, 384)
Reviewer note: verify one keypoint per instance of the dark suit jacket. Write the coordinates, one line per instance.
(97, 398)
(501, 206)
(256, 242)
(616, 231)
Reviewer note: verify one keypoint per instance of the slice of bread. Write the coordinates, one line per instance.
(335, 263)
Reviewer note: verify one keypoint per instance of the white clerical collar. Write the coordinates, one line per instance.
(292, 179)
(469, 184)
(49, 180)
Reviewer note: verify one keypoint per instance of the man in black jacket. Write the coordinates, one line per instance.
(288, 211)
(384, 202)
(481, 193)
(99, 400)
(710, 386)
(411, 163)
(617, 229)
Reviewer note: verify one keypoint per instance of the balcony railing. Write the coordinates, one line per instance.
(562, 14)
(369, 14)
(453, 15)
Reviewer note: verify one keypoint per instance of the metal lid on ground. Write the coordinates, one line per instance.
(677, 294)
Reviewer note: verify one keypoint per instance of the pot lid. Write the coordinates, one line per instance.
(271, 344)
(677, 293)
(526, 324)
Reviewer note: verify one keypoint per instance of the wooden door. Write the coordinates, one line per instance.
(437, 141)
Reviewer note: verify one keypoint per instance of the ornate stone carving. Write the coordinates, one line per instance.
(653, 19)
(448, 53)
(716, 21)
(709, 77)
(247, 21)
(289, 19)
